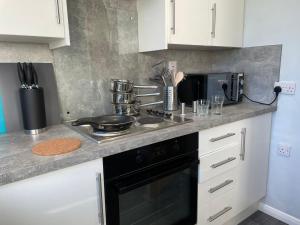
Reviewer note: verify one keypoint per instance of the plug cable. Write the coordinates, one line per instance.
(277, 91)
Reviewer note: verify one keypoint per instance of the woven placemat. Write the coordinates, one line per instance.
(56, 146)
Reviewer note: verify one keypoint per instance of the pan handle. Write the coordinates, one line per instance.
(152, 103)
(85, 122)
(146, 86)
(148, 95)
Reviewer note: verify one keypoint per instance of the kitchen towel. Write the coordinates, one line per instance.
(2, 118)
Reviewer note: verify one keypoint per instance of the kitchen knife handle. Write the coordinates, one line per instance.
(34, 75)
(27, 75)
(21, 75)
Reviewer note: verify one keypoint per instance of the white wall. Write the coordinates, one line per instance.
(278, 22)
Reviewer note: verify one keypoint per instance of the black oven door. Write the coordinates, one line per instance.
(161, 195)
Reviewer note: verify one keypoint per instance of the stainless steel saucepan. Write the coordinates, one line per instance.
(128, 98)
(127, 86)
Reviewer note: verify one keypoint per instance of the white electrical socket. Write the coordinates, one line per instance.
(172, 66)
(288, 87)
(284, 150)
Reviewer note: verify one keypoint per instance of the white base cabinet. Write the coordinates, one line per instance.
(68, 196)
(165, 24)
(237, 157)
(35, 21)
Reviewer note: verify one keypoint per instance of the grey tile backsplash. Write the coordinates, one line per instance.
(104, 45)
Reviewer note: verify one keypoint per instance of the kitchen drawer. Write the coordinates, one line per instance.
(217, 186)
(217, 211)
(218, 162)
(219, 137)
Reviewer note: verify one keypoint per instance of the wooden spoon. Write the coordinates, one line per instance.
(178, 78)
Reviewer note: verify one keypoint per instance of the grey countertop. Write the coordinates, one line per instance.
(17, 161)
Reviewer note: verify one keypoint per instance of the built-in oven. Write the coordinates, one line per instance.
(153, 185)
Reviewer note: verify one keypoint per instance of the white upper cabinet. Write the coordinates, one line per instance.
(165, 24)
(36, 21)
(227, 23)
(189, 22)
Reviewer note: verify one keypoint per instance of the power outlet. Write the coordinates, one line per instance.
(284, 150)
(172, 66)
(288, 87)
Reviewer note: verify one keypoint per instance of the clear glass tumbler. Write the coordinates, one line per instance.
(203, 107)
(217, 102)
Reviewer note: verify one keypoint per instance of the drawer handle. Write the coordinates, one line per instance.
(216, 165)
(222, 137)
(243, 144)
(99, 200)
(221, 213)
(227, 182)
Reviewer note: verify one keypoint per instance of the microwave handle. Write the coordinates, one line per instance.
(123, 188)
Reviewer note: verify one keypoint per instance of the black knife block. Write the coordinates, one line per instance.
(33, 109)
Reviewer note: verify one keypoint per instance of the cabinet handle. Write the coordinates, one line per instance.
(221, 213)
(214, 20)
(222, 137)
(216, 165)
(227, 182)
(243, 144)
(173, 28)
(58, 11)
(99, 199)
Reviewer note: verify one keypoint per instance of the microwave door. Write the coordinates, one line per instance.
(214, 85)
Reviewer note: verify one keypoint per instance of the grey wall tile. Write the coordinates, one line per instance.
(104, 45)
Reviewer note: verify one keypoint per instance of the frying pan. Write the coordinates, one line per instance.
(107, 123)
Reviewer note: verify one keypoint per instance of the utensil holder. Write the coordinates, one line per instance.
(170, 98)
(33, 110)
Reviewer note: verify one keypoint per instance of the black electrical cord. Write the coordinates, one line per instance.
(277, 91)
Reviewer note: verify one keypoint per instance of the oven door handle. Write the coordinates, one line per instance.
(123, 188)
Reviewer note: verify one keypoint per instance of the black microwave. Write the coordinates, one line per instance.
(204, 86)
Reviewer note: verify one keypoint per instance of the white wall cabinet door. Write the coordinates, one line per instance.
(168, 24)
(189, 22)
(68, 196)
(253, 172)
(227, 22)
(34, 21)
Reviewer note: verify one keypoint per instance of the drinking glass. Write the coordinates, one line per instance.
(203, 107)
(217, 102)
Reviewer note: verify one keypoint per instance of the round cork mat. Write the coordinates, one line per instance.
(56, 146)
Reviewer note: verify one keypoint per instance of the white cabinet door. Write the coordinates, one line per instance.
(165, 24)
(189, 22)
(253, 172)
(36, 18)
(68, 196)
(227, 22)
